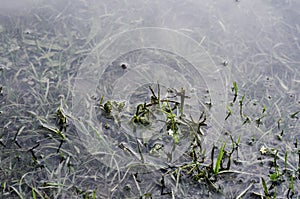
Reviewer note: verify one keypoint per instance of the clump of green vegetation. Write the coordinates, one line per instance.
(175, 119)
(199, 168)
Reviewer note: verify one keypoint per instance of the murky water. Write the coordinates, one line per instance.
(153, 57)
(81, 51)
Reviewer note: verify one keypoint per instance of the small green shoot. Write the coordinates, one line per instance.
(278, 122)
(235, 147)
(247, 120)
(291, 186)
(279, 136)
(119, 105)
(219, 159)
(285, 160)
(155, 99)
(229, 112)
(235, 91)
(172, 125)
(107, 108)
(140, 150)
(33, 193)
(61, 119)
(141, 115)
(241, 105)
(147, 195)
(276, 176)
(294, 115)
(264, 184)
(182, 97)
(259, 121)
(264, 109)
(275, 193)
(176, 138)
(53, 130)
(101, 101)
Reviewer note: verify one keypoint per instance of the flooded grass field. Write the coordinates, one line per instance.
(150, 99)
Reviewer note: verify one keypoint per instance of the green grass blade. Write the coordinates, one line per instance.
(265, 186)
(219, 159)
(33, 193)
(235, 91)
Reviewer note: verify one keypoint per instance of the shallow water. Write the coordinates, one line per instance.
(72, 53)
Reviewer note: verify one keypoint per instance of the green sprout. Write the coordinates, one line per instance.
(54, 130)
(291, 186)
(247, 120)
(61, 119)
(235, 91)
(107, 108)
(229, 112)
(172, 124)
(276, 176)
(241, 105)
(265, 188)
(219, 159)
(285, 159)
(278, 122)
(141, 115)
(294, 115)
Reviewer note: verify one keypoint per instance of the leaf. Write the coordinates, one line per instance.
(229, 112)
(265, 186)
(294, 115)
(235, 88)
(291, 184)
(33, 193)
(235, 91)
(53, 130)
(219, 159)
(176, 138)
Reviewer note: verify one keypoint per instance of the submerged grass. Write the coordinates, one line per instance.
(42, 156)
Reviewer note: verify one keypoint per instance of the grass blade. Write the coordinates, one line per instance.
(219, 159)
(265, 186)
(235, 91)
